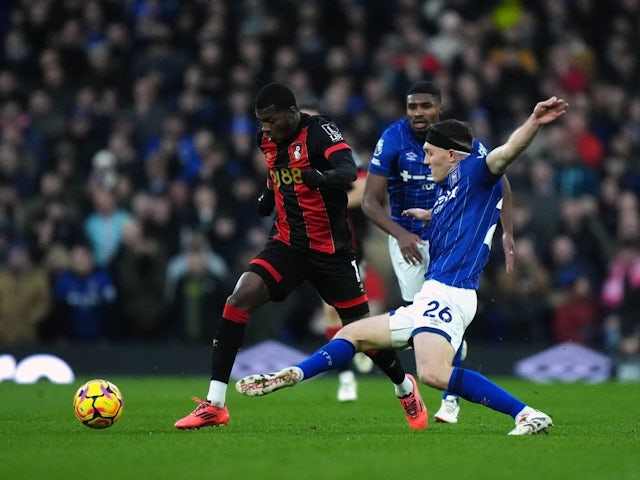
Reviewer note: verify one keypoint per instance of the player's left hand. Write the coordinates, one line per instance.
(312, 178)
(508, 245)
(549, 110)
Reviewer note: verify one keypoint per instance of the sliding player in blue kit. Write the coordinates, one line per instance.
(464, 217)
(398, 177)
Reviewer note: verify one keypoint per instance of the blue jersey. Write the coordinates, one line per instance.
(85, 299)
(399, 156)
(463, 221)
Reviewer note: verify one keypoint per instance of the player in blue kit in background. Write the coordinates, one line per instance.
(398, 176)
(463, 218)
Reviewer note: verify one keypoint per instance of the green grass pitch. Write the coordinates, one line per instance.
(304, 433)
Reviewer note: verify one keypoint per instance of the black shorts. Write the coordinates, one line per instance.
(334, 276)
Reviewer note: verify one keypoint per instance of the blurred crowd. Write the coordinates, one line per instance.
(129, 172)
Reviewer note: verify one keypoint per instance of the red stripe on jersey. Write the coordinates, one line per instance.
(234, 314)
(351, 303)
(319, 233)
(282, 222)
(270, 268)
(335, 148)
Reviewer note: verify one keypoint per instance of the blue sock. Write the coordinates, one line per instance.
(477, 388)
(457, 362)
(335, 354)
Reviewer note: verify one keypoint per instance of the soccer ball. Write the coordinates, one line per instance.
(98, 404)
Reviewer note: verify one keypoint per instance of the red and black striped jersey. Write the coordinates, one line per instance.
(307, 218)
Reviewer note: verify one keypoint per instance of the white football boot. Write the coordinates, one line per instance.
(449, 410)
(531, 422)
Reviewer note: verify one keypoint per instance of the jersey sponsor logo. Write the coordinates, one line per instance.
(285, 176)
(428, 178)
(442, 199)
(332, 131)
(378, 149)
(411, 156)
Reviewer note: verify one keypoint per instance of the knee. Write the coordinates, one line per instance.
(434, 377)
(236, 300)
(249, 293)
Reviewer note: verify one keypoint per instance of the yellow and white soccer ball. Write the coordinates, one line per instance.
(98, 404)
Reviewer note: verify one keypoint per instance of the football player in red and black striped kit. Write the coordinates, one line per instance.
(310, 170)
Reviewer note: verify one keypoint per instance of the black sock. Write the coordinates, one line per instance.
(389, 363)
(225, 348)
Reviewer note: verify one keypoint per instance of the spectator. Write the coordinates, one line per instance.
(575, 318)
(621, 291)
(138, 271)
(178, 266)
(25, 298)
(104, 225)
(197, 285)
(50, 218)
(524, 296)
(85, 297)
(175, 148)
(590, 239)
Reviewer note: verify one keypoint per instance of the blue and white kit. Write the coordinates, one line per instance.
(399, 156)
(464, 219)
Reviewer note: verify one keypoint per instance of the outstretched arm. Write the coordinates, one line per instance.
(544, 112)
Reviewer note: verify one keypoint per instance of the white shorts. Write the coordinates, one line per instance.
(410, 277)
(437, 308)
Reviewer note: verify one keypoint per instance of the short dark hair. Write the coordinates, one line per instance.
(429, 88)
(276, 94)
(458, 134)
